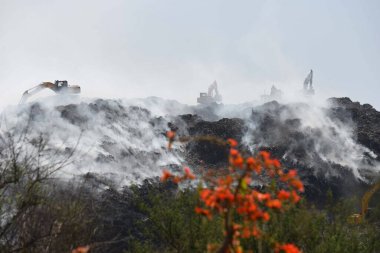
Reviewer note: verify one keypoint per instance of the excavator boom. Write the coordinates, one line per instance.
(59, 87)
(367, 197)
(31, 92)
(359, 218)
(308, 84)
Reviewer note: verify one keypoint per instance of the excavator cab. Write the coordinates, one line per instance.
(60, 86)
(61, 83)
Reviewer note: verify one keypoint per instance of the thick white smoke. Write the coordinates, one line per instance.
(117, 141)
(124, 140)
(311, 128)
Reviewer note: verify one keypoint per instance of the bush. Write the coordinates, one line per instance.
(170, 224)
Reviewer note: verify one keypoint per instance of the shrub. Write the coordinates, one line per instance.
(244, 209)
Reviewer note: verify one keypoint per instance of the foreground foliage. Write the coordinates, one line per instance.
(242, 212)
(311, 229)
(244, 209)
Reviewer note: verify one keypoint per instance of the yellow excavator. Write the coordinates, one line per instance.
(59, 87)
(359, 218)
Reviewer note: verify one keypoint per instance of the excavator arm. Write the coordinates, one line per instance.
(53, 86)
(367, 197)
(359, 218)
(35, 90)
(213, 92)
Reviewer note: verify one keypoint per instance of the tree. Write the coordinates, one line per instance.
(32, 216)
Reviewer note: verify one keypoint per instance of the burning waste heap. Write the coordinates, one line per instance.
(335, 147)
(100, 149)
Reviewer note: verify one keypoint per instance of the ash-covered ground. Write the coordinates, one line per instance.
(336, 146)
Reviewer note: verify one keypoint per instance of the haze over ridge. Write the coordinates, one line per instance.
(176, 49)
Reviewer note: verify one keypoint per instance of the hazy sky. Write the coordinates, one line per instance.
(175, 49)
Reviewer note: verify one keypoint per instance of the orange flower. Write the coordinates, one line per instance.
(238, 162)
(81, 249)
(265, 216)
(283, 195)
(176, 179)
(198, 210)
(252, 207)
(295, 197)
(260, 196)
(210, 201)
(296, 183)
(227, 181)
(270, 163)
(291, 174)
(250, 160)
(287, 248)
(225, 194)
(276, 163)
(233, 143)
(205, 193)
(265, 155)
(252, 164)
(275, 203)
(165, 175)
(204, 212)
(234, 152)
(188, 173)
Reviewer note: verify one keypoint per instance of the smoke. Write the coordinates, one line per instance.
(124, 140)
(109, 139)
(311, 136)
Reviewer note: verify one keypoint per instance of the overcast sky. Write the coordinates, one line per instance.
(175, 49)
